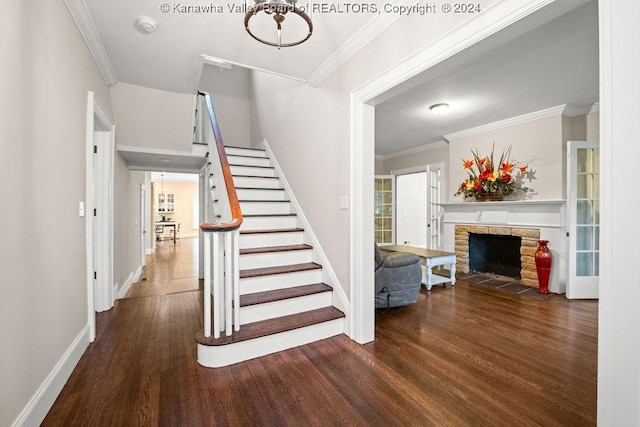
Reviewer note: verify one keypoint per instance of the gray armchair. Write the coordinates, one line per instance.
(397, 278)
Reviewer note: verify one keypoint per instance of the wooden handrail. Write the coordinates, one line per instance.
(236, 213)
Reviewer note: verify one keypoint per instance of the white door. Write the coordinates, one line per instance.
(434, 211)
(583, 209)
(143, 225)
(411, 209)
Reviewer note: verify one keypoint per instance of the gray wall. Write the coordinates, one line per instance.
(44, 79)
(231, 96)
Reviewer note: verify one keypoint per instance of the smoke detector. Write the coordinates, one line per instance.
(146, 25)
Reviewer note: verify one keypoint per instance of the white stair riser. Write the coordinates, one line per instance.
(248, 161)
(236, 151)
(270, 310)
(257, 182)
(225, 355)
(268, 222)
(259, 194)
(274, 259)
(270, 239)
(251, 171)
(264, 208)
(279, 281)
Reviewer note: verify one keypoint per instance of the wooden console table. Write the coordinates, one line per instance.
(430, 258)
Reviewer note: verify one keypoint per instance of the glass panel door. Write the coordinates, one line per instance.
(383, 210)
(583, 194)
(434, 211)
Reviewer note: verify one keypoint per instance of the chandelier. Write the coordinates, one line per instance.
(260, 27)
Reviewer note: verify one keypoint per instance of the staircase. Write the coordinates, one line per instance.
(283, 302)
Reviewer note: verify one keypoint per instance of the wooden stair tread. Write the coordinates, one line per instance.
(256, 215)
(244, 148)
(283, 294)
(273, 326)
(264, 201)
(280, 269)
(270, 249)
(251, 166)
(254, 176)
(245, 156)
(272, 230)
(260, 188)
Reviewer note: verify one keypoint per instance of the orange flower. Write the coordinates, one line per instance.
(468, 164)
(482, 161)
(506, 167)
(523, 169)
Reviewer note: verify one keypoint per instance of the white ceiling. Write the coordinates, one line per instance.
(170, 58)
(536, 63)
(501, 77)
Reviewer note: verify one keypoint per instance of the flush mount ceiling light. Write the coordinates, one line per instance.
(439, 109)
(146, 25)
(298, 30)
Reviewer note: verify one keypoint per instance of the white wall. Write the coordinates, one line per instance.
(231, 96)
(44, 79)
(537, 143)
(152, 118)
(126, 222)
(309, 130)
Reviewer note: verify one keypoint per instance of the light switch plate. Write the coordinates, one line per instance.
(344, 202)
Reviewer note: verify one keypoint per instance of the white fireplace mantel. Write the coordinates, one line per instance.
(549, 216)
(519, 213)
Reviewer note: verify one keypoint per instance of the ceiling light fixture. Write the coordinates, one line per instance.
(278, 10)
(439, 109)
(146, 25)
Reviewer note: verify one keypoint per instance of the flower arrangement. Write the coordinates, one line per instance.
(488, 180)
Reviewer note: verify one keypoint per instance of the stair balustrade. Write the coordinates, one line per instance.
(223, 218)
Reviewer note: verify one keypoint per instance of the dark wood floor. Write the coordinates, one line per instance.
(466, 355)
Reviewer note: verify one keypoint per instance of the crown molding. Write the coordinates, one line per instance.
(427, 147)
(81, 16)
(542, 114)
(360, 39)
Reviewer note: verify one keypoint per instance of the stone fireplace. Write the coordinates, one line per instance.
(528, 243)
(530, 220)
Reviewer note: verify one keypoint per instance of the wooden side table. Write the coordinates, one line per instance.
(430, 258)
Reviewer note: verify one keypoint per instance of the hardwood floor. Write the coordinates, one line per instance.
(466, 355)
(172, 268)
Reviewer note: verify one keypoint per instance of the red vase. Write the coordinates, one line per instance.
(543, 266)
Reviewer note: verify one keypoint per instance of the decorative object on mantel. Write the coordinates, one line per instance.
(490, 181)
(544, 260)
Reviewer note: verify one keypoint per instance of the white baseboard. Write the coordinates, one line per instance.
(41, 402)
(133, 278)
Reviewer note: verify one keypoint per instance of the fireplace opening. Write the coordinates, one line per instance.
(492, 253)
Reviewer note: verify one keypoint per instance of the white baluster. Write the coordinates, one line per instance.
(236, 278)
(228, 277)
(207, 284)
(216, 285)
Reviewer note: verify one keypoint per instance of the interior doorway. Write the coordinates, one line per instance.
(98, 210)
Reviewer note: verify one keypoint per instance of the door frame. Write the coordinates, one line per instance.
(362, 141)
(100, 131)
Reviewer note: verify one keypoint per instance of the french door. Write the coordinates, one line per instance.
(434, 211)
(583, 209)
